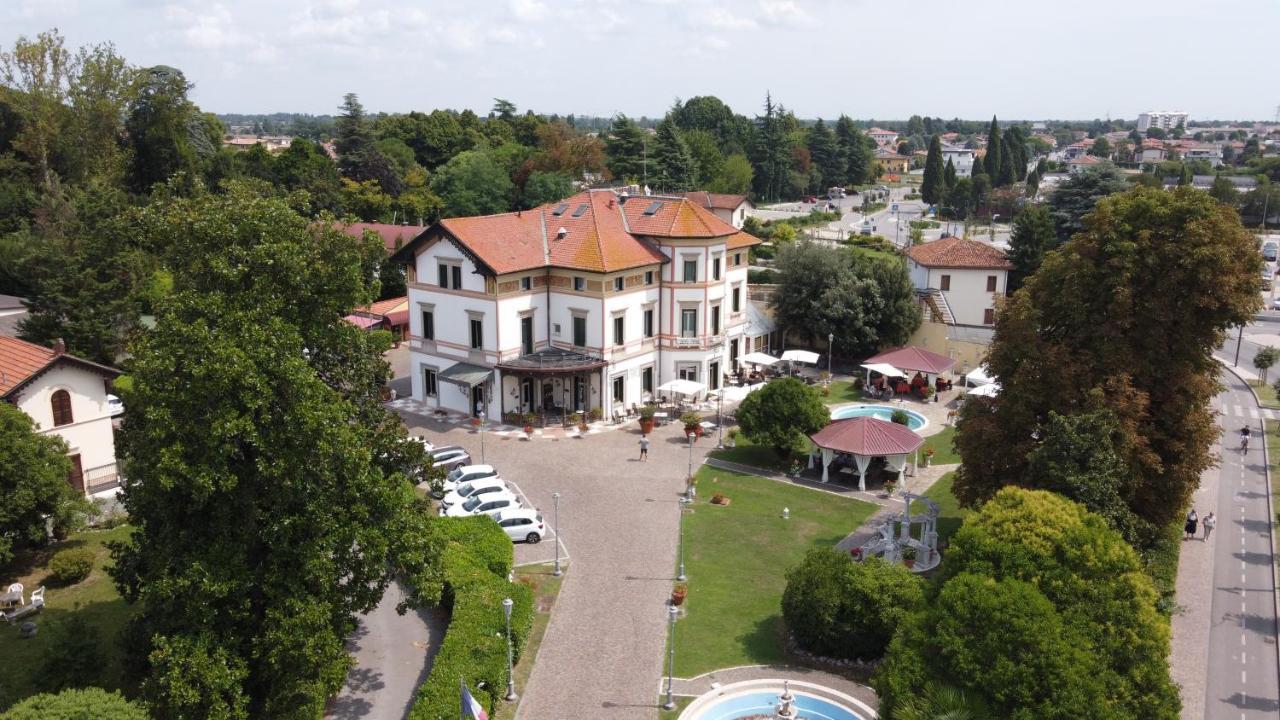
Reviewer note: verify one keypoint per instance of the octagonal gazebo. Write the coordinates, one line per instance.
(865, 438)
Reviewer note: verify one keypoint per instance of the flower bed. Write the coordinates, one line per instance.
(477, 559)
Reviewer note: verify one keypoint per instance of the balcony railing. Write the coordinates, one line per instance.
(419, 344)
(101, 478)
(689, 342)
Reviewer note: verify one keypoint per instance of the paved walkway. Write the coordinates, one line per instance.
(602, 654)
(392, 655)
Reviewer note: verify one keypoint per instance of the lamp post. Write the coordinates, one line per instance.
(670, 704)
(994, 218)
(511, 674)
(720, 420)
(831, 341)
(681, 504)
(688, 479)
(555, 499)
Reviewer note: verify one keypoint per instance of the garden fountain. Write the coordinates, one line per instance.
(775, 700)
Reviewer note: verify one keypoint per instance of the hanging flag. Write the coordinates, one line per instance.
(470, 707)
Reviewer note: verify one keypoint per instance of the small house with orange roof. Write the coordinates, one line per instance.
(590, 304)
(883, 137)
(966, 275)
(728, 207)
(68, 397)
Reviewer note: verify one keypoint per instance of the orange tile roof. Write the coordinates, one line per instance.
(954, 252)
(609, 233)
(393, 236)
(740, 240)
(385, 307)
(716, 201)
(20, 360)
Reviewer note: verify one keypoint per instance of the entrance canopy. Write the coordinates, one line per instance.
(552, 361)
(867, 436)
(803, 356)
(885, 369)
(758, 358)
(466, 374)
(914, 358)
(684, 387)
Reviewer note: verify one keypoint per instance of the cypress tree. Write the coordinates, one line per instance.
(993, 152)
(949, 175)
(676, 170)
(1008, 172)
(934, 183)
(1033, 183)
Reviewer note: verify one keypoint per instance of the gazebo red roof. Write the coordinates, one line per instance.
(913, 358)
(867, 436)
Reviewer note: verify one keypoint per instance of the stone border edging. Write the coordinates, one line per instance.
(741, 688)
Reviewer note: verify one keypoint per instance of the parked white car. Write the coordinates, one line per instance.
(450, 458)
(464, 474)
(467, 490)
(114, 405)
(491, 504)
(523, 525)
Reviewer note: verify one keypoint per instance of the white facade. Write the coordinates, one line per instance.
(1162, 119)
(89, 436)
(486, 321)
(970, 292)
(961, 159)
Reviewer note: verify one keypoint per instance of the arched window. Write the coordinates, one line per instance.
(61, 408)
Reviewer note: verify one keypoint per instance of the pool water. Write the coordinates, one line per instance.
(915, 420)
(766, 704)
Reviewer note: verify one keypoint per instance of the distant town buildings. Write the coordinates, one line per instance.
(883, 137)
(1164, 120)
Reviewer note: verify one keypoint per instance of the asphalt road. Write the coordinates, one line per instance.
(1243, 673)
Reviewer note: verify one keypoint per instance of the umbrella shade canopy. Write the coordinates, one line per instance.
(885, 369)
(803, 356)
(867, 436)
(684, 387)
(988, 390)
(913, 358)
(980, 375)
(758, 358)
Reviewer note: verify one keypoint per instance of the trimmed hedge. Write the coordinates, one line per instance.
(69, 567)
(477, 559)
(77, 704)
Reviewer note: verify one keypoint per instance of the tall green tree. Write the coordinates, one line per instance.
(305, 165)
(1032, 236)
(38, 72)
(1008, 162)
(271, 492)
(674, 168)
(948, 180)
(166, 131)
(825, 153)
(857, 149)
(772, 154)
(735, 176)
(624, 150)
(1075, 197)
(34, 484)
(1118, 312)
(1224, 191)
(359, 156)
(472, 183)
(993, 159)
(933, 185)
(1033, 184)
(782, 414)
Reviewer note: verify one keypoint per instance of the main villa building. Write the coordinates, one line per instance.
(591, 303)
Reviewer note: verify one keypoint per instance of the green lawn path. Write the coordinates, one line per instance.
(736, 558)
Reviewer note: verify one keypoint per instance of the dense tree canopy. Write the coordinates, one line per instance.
(33, 483)
(1076, 196)
(472, 183)
(1031, 238)
(1119, 313)
(782, 415)
(270, 488)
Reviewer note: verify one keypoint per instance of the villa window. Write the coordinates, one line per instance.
(736, 300)
(580, 331)
(61, 402)
(690, 271)
(429, 382)
(617, 284)
(618, 327)
(477, 333)
(688, 323)
(648, 277)
(579, 283)
(619, 389)
(715, 320)
(648, 323)
(428, 325)
(944, 283)
(989, 317)
(526, 283)
(646, 380)
(715, 268)
(991, 283)
(456, 272)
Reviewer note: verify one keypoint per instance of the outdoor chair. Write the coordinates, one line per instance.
(18, 588)
(37, 595)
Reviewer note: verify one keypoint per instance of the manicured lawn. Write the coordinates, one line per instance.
(736, 558)
(951, 516)
(843, 391)
(1273, 456)
(745, 453)
(546, 588)
(681, 704)
(944, 451)
(1266, 394)
(94, 599)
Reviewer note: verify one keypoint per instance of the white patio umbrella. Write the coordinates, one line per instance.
(980, 375)
(758, 358)
(681, 386)
(885, 369)
(803, 356)
(988, 390)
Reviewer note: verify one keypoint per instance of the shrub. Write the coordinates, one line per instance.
(69, 567)
(74, 658)
(80, 704)
(477, 560)
(838, 608)
(762, 277)
(782, 414)
(901, 417)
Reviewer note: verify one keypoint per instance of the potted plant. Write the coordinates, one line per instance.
(889, 486)
(646, 418)
(582, 427)
(909, 556)
(733, 436)
(679, 593)
(719, 499)
(928, 455)
(594, 414)
(692, 423)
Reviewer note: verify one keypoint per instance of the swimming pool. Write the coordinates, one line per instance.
(915, 420)
(750, 699)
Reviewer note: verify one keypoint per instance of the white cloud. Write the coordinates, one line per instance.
(528, 9)
(786, 12)
(723, 18)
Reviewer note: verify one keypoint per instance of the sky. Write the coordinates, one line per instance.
(866, 58)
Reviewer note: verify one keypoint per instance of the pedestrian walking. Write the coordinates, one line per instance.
(644, 448)
(1192, 520)
(1210, 522)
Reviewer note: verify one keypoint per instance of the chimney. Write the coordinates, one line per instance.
(610, 203)
(59, 347)
(561, 233)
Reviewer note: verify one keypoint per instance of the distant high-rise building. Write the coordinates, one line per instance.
(1162, 120)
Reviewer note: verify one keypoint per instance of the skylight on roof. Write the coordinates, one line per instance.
(577, 212)
(653, 208)
(559, 209)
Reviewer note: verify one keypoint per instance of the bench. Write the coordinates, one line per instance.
(30, 608)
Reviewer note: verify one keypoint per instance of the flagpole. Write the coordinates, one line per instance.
(462, 708)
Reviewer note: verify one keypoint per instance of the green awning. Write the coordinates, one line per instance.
(466, 374)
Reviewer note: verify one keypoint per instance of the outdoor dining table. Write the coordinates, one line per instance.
(10, 599)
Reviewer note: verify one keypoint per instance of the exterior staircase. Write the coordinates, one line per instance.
(939, 310)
